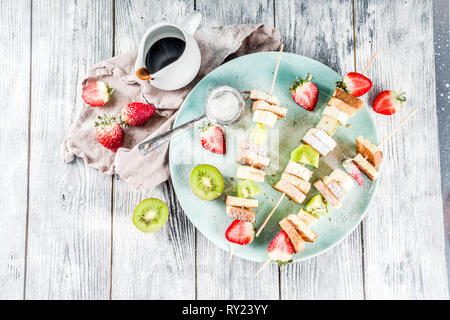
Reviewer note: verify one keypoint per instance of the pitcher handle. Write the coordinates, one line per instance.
(191, 22)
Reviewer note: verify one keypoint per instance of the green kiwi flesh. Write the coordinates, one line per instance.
(305, 154)
(318, 205)
(150, 215)
(247, 188)
(206, 182)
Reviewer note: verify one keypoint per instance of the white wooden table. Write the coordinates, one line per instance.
(65, 230)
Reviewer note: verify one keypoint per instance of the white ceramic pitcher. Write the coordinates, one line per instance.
(183, 70)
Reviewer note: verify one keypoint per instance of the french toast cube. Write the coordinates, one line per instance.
(243, 214)
(296, 239)
(291, 191)
(369, 151)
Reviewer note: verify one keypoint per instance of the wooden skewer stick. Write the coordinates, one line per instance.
(276, 68)
(263, 266)
(270, 214)
(396, 128)
(370, 62)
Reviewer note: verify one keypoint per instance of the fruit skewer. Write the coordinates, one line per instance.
(341, 99)
(239, 232)
(298, 232)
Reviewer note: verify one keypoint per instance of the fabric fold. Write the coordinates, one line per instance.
(143, 172)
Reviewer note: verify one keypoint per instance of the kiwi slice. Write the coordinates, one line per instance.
(306, 154)
(150, 215)
(318, 205)
(247, 189)
(259, 134)
(206, 182)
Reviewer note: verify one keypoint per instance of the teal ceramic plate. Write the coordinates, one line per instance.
(256, 71)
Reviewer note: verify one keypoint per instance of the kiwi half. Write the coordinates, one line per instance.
(150, 215)
(305, 154)
(247, 188)
(318, 205)
(206, 182)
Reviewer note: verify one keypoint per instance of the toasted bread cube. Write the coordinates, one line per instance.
(292, 233)
(369, 151)
(292, 192)
(302, 228)
(265, 118)
(243, 214)
(265, 106)
(245, 144)
(241, 202)
(328, 195)
(253, 159)
(298, 170)
(324, 137)
(342, 178)
(334, 112)
(348, 99)
(308, 218)
(249, 173)
(314, 142)
(341, 105)
(337, 190)
(261, 95)
(328, 124)
(365, 167)
(300, 184)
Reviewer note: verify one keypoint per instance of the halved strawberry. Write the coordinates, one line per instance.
(281, 248)
(240, 232)
(353, 170)
(355, 83)
(97, 93)
(387, 102)
(305, 93)
(213, 139)
(136, 114)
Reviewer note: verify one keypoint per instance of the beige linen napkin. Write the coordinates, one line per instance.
(216, 45)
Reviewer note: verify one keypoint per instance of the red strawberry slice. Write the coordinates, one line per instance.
(109, 133)
(213, 139)
(388, 102)
(353, 170)
(136, 114)
(305, 93)
(97, 93)
(240, 232)
(355, 83)
(281, 248)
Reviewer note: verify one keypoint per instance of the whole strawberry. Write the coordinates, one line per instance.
(97, 93)
(305, 93)
(109, 133)
(213, 139)
(388, 102)
(355, 83)
(136, 114)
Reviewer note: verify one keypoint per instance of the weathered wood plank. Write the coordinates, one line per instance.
(404, 234)
(217, 279)
(15, 24)
(322, 30)
(70, 205)
(144, 264)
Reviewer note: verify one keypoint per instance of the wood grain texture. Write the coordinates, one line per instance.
(217, 279)
(15, 24)
(403, 234)
(70, 205)
(159, 265)
(322, 30)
